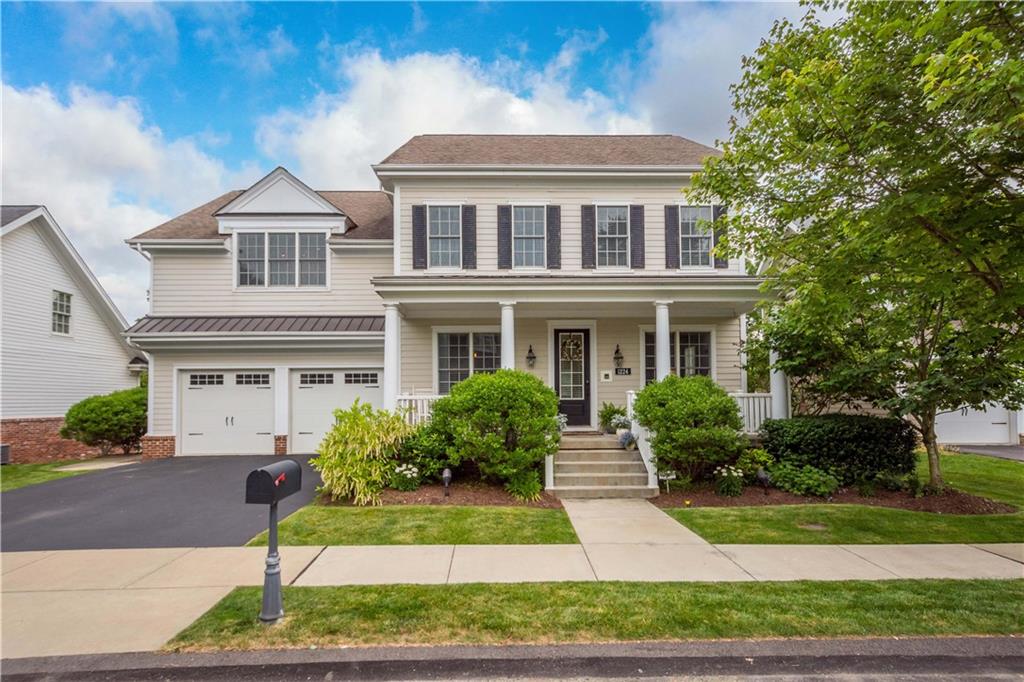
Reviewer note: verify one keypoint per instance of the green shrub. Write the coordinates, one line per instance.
(357, 457)
(728, 481)
(853, 446)
(804, 480)
(427, 450)
(753, 459)
(607, 413)
(504, 422)
(114, 420)
(694, 424)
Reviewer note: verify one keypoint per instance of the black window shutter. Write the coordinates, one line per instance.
(716, 212)
(588, 222)
(469, 237)
(636, 236)
(554, 230)
(419, 237)
(671, 237)
(504, 237)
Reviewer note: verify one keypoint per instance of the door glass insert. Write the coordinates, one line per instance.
(570, 366)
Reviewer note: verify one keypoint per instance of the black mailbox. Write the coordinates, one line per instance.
(273, 483)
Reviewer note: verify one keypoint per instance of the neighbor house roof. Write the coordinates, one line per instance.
(11, 213)
(262, 324)
(369, 213)
(550, 150)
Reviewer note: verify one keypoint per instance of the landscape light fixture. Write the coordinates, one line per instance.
(446, 478)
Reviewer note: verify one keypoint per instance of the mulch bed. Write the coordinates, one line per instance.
(460, 494)
(949, 502)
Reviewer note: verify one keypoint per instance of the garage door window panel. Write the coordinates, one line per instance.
(316, 378)
(252, 379)
(206, 380)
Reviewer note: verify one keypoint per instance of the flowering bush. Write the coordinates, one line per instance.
(621, 422)
(406, 477)
(562, 420)
(728, 481)
(627, 440)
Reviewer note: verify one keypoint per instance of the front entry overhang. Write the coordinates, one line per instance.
(468, 296)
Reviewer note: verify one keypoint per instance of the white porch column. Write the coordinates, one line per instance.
(662, 357)
(392, 320)
(508, 334)
(779, 388)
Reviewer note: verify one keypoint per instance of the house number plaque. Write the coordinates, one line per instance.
(623, 371)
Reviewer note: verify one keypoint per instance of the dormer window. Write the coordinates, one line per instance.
(281, 259)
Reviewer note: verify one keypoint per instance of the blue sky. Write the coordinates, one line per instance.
(119, 116)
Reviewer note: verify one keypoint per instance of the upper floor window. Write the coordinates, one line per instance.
(528, 246)
(613, 236)
(60, 321)
(695, 235)
(464, 353)
(282, 259)
(444, 235)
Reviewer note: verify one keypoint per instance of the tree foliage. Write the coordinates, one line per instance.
(877, 165)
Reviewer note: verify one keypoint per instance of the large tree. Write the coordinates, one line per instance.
(877, 162)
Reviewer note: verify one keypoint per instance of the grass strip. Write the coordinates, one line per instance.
(424, 525)
(604, 612)
(13, 476)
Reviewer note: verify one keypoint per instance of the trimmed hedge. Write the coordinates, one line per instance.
(114, 420)
(853, 447)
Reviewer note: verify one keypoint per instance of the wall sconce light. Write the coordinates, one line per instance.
(531, 357)
(617, 357)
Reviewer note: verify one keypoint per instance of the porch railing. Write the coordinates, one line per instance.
(417, 408)
(643, 441)
(754, 408)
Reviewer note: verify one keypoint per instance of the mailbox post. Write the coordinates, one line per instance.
(269, 485)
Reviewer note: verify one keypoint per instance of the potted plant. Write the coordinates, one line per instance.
(621, 425)
(627, 440)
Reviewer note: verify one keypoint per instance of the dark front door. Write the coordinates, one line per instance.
(572, 374)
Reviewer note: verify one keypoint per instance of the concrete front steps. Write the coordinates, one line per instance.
(595, 466)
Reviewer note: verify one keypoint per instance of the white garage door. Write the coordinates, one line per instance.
(316, 393)
(975, 427)
(227, 412)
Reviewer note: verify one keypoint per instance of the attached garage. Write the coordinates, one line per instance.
(967, 426)
(316, 393)
(226, 412)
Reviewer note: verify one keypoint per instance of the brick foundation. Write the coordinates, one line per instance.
(280, 445)
(157, 447)
(37, 439)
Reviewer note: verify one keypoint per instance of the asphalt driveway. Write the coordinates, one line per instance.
(1001, 451)
(175, 502)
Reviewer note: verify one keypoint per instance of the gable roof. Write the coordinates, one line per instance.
(14, 217)
(369, 213)
(550, 150)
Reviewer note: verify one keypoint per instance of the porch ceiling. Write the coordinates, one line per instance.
(571, 310)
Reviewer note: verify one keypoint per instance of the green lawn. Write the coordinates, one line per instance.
(20, 475)
(423, 525)
(600, 612)
(998, 479)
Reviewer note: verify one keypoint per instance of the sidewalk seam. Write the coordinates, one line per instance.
(306, 567)
(451, 561)
(864, 558)
(1001, 556)
(736, 563)
(184, 554)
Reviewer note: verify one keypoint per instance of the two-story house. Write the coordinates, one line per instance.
(575, 258)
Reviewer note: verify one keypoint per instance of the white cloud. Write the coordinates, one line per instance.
(333, 141)
(105, 175)
(226, 31)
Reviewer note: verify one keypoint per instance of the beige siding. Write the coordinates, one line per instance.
(43, 374)
(161, 383)
(201, 284)
(486, 195)
(418, 364)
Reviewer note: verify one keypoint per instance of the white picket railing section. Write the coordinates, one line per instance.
(754, 408)
(643, 441)
(417, 408)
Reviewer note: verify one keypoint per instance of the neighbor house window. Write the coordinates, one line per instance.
(445, 236)
(464, 353)
(60, 322)
(282, 259)
(690, 351)
(528, 236)
(613, 236)
(695, 235)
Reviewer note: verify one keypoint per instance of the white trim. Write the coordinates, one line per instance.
(396, 229)
(457, 329)
(248, 288)
(628, 267)
(278, 174)
(743, 353)
(649, 328)
(447, 204)
(591, 326)
(544, 237)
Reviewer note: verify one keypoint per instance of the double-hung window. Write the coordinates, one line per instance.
(695, 235)
(444, 234)
(60, 318)
(460, 354)
(282, 259)
(528, 245)
(689, 354)
(613, 236)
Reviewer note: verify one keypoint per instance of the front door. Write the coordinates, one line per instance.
(572, 374)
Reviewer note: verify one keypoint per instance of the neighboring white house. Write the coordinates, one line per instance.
(62, 336)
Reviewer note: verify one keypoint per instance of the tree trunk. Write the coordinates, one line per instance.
(931, 446)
